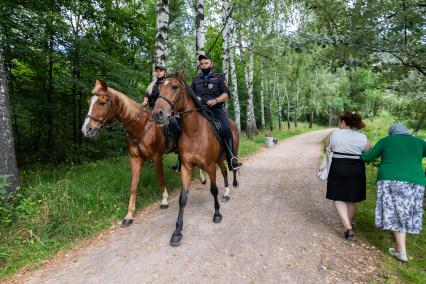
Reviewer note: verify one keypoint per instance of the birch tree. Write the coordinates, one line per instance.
(8, 164)
(200, 25)
(162, 26)
(236, 100)
(251, 121)
(288, 105)
(262, 99)
(278, 102)
(270, 91)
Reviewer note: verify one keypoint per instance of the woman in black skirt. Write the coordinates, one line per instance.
(346, 179)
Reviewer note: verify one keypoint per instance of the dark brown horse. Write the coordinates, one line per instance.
(198, 145)
(145, 138)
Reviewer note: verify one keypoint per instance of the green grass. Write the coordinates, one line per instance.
(58, 207)
(393, 271)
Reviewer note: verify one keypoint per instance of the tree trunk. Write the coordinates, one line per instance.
(199, 24)
(297, 105)
(288, 106)
(225, 42)
(237, 110)
(311, 118)
(49, 97)
(8, 164)
(251, 121)
(162, 27)
(419, 123)
(330, 116)
(262, 98)
(278, 103)
(271, 124)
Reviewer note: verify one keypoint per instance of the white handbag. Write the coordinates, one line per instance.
(324, 168)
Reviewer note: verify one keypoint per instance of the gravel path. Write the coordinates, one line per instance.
(277, 228)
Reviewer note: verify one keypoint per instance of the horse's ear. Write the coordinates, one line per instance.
(181, 73)
(169, 72)
(103, 84)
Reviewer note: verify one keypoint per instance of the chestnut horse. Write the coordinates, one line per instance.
(145, 138)
(198, 145)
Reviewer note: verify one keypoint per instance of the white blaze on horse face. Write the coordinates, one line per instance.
(165, 196)
(166, 82)
(86, 121)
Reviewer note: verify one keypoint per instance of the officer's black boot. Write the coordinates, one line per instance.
(176, 167)
(233, 163)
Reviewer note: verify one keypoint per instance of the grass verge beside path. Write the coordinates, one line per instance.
(393, 271)
(57, 208)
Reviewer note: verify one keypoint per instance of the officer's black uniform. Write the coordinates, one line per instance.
(152, 98)
(210, 87)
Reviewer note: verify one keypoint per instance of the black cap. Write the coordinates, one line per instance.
(162, 68)
(204, 56)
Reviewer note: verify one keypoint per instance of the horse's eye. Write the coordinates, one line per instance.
(175, 87)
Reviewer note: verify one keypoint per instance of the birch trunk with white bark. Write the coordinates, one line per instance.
(8, 166)
(262, 96)
(236, 100)
(200, 25)
(162, 27)
(251, 120)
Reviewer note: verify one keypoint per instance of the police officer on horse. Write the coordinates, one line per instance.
(213, 92)
(151, 96)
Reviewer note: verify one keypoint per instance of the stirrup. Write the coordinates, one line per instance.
(235, 164)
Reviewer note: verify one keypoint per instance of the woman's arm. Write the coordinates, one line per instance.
(374, 152)
(368, 146)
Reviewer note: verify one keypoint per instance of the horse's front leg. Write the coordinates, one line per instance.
(158, 161)
(217, 217)
(225, 181)
(135, 166)
(185, 173)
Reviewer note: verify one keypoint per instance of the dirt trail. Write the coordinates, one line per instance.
(277, 228)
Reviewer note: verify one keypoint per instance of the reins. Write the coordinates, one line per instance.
(173, 103)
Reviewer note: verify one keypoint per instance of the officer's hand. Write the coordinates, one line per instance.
(211, 103)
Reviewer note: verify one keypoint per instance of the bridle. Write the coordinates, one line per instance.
(104, 119)
(172, 104)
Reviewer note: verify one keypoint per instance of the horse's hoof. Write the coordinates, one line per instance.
(126, 223)
(235, 184)
(164, 206)
(176, 240)
(217, 218)
(204, 181)
(225, 198)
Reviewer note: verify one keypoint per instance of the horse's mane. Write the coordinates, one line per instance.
(128, 107)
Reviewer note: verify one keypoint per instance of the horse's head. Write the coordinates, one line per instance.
(170, 100)
(100, 110)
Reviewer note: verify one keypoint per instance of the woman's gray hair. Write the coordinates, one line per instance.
(398, 128)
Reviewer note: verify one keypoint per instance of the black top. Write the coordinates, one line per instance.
(210, 87)
(152, 98)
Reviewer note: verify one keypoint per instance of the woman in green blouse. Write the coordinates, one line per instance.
(400, 185)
